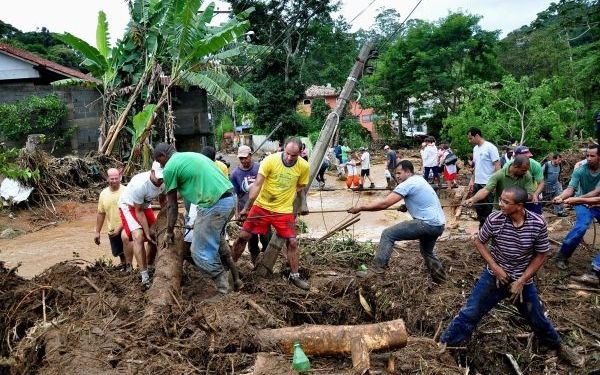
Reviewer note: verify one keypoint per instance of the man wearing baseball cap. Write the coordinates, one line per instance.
(242, 179)
(537, 172)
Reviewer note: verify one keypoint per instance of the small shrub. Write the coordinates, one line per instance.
(35, 115)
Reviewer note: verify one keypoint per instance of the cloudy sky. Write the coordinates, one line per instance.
(79, 16)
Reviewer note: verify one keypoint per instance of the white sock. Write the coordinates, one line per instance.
(145, 276)
(295, 275)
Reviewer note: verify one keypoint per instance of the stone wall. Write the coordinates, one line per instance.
(193, 129)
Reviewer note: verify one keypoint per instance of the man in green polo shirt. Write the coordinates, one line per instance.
(537, 172)
(198, 181)
(517, 174)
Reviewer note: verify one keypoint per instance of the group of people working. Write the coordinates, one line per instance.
(513, 241)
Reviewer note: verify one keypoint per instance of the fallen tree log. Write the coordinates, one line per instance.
(337, 340)
(166, 283)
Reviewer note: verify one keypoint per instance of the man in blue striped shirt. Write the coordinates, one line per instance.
(518, 246)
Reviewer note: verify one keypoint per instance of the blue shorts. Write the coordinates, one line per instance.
(116, 244)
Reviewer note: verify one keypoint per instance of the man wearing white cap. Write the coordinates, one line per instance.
(242, 178)
(138, 218)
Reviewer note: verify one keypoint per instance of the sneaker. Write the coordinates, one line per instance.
(592, 279)
(562, 214)
(128, 268)
(297, 281)
(570, 356)
(372, 186)
(561, 262)
(121, 267)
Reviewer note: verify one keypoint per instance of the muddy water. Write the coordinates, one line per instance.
(371, 224)
(39, 250)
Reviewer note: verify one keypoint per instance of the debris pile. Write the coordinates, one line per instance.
(74, 320)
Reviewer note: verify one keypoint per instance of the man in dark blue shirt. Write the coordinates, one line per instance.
(242, 178)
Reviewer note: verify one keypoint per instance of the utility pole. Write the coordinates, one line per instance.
(265, 264)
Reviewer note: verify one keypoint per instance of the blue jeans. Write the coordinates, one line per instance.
(534, 207)
(410, 230)
(208, 226)
(484, 296)
(584, 217)
(551, 191)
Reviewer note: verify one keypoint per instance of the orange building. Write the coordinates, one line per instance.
(330, 94)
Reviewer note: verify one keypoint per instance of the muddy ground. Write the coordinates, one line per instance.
(84, 316)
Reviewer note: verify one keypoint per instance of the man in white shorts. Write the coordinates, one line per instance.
(138, 218)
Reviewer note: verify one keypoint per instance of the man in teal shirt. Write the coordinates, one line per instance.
(198, 181)
(585, 184)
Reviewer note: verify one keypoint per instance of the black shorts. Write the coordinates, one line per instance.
(365, 172)
(116, 244)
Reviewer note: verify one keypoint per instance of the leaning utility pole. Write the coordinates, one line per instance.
(265, 265)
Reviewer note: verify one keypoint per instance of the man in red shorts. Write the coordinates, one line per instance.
(137, 216)
(271, 200)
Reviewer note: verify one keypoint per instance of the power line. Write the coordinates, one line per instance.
(388, 39)
(362, 11)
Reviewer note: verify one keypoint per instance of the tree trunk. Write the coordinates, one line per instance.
(335, 340)
(113, 131)
(166, 284)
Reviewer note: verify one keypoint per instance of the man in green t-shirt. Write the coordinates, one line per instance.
(198, 181)
(517, 174)
(537, 172)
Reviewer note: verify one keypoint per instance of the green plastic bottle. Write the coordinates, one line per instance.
(300, 361)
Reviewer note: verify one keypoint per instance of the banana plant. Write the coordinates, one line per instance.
(185, 46)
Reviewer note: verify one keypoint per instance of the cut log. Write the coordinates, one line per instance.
(337, 340)
(169, 269)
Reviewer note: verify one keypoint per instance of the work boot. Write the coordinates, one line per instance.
(561, 262)
(438, 274)
(374, 270)
(222, 283)
(590, 278)
(297, 281)
(372, 186)
(570, 356)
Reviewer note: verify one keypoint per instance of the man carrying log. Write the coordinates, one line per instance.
(270, 203)
(518, 247)
(198, 181)
(138, 218)
(108, 209)
(427, 224)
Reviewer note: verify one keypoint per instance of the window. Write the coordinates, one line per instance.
(366, 118)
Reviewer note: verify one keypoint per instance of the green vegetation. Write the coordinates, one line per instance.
(34, 115)
(540, 83)
(10, 169)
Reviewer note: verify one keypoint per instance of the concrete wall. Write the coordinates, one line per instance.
(192, 131)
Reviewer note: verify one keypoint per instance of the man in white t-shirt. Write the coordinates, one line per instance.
(430, 160)
(138, 218)
(487, 161)
(365, 162)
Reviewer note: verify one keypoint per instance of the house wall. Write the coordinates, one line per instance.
(192, 131)
(84, 106)
(12, 68)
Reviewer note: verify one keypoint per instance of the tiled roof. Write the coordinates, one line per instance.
(44, 63)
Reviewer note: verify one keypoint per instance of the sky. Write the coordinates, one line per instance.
(79, 17)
